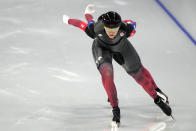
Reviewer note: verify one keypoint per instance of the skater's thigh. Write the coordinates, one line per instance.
(132, 62)
(100, 54)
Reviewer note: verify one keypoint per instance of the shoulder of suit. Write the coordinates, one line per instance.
(99, 27)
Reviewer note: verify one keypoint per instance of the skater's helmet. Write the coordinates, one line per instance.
(111, 19)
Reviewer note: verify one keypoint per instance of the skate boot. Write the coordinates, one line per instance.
(163, 105)
(116, 116)
(163, 96)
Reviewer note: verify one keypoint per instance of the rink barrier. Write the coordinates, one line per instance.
(176, 21)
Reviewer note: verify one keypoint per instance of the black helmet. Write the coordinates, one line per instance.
(111, 19)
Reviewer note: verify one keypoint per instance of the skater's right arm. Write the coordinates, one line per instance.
(78, 23)
(75, 22)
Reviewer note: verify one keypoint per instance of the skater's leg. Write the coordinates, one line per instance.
(106, 71)
(130, 61)
(144, 78)
(149, 76)
(107, 74)
(103, 60)
(132, 64)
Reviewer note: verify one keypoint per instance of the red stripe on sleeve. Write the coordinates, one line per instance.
(130, 21)
(88, 17)
(127, 21)
(83, 26)
(132, 33)
(78, 23)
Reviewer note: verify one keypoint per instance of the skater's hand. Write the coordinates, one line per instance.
(65, 19)
(90, 9)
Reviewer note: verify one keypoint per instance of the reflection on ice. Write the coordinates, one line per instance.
(160, 126)
(5, 35)
(65, 75)
(65, 78)
(10, 20)
(5, 92)
(19, 50)
(44, 114)
(120, 2)
(39, 30)
(153, 125)
(13, 68)
(114, 128)
(28, 30)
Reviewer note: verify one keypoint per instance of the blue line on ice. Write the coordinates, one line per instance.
(176, 21)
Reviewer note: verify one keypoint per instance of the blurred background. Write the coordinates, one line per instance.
(49, 82)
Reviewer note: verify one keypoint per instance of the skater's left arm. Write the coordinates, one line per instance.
(131, 25)
(90, 9)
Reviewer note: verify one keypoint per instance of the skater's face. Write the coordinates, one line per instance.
(111, 32)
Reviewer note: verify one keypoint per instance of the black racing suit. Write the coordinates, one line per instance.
(119, 48)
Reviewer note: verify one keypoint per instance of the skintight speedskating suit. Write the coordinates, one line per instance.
(105, 49)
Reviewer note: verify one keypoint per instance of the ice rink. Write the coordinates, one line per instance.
(49, 81)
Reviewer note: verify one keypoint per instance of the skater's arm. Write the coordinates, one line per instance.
(78, 23)
(90, 9)
(75, 22)
(131, 25)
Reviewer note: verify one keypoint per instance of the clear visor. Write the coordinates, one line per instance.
(111, 29)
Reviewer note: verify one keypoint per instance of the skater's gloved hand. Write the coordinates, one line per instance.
(65, 19)
(90, 9)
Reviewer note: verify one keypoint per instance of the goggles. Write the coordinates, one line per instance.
(111, 29)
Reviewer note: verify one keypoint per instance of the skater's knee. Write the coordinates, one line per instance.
(108, 73)
(106, 69)
(135, 70)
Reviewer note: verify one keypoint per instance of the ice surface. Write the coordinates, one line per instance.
(49, 82)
